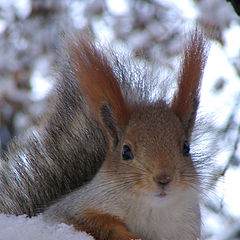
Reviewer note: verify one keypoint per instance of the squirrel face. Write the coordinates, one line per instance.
(152, 157)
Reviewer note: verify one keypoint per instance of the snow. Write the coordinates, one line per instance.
(187, 7)
(21, 227)
(118, 9)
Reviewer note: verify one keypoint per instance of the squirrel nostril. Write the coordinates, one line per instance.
(162, 179)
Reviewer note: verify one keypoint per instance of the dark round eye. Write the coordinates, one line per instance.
(186, 149)
(127, 153)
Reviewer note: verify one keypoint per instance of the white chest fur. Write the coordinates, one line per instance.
(174, 217)
(178, 220)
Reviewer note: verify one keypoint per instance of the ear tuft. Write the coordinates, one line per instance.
(186, 99)
(97, 80)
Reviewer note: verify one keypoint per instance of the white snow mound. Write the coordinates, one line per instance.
(23, 228)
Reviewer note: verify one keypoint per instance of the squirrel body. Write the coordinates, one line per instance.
(131, 194)
(121, 166)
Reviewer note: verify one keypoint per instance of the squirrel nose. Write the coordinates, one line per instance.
(162, 179)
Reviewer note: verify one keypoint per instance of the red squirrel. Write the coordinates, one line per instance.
(118, 163)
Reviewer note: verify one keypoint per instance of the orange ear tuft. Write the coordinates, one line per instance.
(186, 99)
(97, 80)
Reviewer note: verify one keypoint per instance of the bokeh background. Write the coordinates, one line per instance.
(149, 30)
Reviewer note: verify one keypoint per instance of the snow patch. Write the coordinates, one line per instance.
(23, 228)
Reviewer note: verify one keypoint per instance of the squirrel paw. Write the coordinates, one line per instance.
(103, 226)
(124, 235)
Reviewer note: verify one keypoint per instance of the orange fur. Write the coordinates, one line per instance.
(186, 99)
(97, 80)
(104, 226)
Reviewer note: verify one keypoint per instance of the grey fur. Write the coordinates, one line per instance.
(63, 153)
(68, 148)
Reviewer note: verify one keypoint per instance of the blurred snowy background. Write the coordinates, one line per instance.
(152, 30)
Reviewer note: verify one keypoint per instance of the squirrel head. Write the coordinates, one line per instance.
(149, 142)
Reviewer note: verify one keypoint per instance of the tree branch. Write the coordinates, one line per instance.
(236, 5)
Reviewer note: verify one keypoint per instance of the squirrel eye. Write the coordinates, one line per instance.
(186, 149)
(127, 153)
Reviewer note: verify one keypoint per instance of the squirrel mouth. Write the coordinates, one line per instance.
(161, 194)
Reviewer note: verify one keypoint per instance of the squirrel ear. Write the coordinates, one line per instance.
(186, 99)
(112, 128)
(99, 85)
